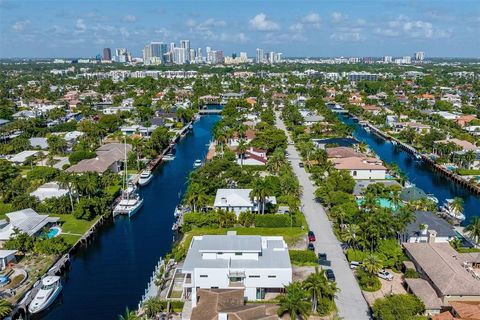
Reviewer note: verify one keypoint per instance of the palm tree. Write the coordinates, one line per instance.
(260, 193)
(372, 264)
(362, 147)
(196, 196)
(319, 287)
(276, 162)
(295, 302)
(473, 229)
(242, 148)
(469, 157)
(5, 308)
(128, 315)
(64, 181)
(457, 205)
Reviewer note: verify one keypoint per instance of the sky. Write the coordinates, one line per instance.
(307, 28)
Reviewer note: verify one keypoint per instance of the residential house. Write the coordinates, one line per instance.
(26, 220)
(238, 200)
(446, 115)
(138, 130)
(416, 126)
(462, 144)
(258, 266)
(362, 168)
(460, 310)
(22, 157)
(109, 157)
(234, 141)
(425, 221)
(463, 120)
(342, 152)
(39, 143)
(253, 157)
(375, 110)
(7, 257)
(49, 190)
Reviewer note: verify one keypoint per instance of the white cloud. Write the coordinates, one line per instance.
(349, 36)
(297, 27)
(21, 25)
(210, 24)
(336, 17)
(278, 38)
(81, 27)
(404, 26)
(312, 19)
(261, 23)
(129, 18)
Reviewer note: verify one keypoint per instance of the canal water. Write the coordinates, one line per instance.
(113, 271)
(418, 173)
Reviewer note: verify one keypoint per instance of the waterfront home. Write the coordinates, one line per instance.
(342, 152)
(473, 130)
(238, 200)
(463, 120)
(416, 126)
(343, 142)
(258, 266)
(21, 157)
(462, 144)
(362, 185)
(6, 257)
(253, 157)
(138, 130)
(27, 221)
(445, 274)
(310, 120)
(446, 115)
(234, 141)
(425, 223)
(38, 143)
(109, 157)
(460, 310)
(362, 168)
(215, 304)
(375, 110)
(49, 190)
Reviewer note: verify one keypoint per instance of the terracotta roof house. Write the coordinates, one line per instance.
(465, 119)
(461, 310)
(373, 109)
(465, 145)
(362, 168)
(342, 152)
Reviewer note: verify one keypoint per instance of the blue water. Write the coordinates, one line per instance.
(52, 232)
(113, 271)
(419, 173)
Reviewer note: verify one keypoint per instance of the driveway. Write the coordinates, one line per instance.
(350, 301)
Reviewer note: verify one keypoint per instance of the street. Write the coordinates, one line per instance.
(350, 301)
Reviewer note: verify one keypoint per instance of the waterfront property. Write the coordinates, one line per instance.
(238, 200)
(109, 157)
(259, 266)
(425, 222)
(362, 168)
(49, 190)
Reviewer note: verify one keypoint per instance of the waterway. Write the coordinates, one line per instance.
(112, 272)
(418, 173)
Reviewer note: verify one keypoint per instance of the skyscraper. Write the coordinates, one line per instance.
(260, 56)
(419, 56)
(107, 54)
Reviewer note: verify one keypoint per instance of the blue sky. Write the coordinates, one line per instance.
(67, 28)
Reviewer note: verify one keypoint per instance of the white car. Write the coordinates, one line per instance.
(355, 264)
(383, 274)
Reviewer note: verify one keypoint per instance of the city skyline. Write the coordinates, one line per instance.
(307, 29)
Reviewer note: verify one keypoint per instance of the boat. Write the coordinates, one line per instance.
(432, 197)
(49, 290)
(190, 126)
(394, 142)
(418, 156)
(169, 157)
(145, 177)
(447, 209)
(197, 163)
(367, 129)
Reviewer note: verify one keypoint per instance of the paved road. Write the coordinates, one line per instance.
(350, 301)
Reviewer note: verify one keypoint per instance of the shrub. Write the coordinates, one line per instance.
(355, 255)
(43, 174)
(77, 156)
(411, 273)
(199, 220)
(275, 221)
(246, 219)
(176, 305)
(300, 257)
(398, 307)
(368, 282)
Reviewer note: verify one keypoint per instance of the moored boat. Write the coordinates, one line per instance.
(197, 163)
(448, 209)
(49, 290)
(129, 204)
(145, 177)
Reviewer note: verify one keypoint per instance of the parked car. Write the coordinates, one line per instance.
(311, 236)
(300, 164)
(384, 274)
(355, 264)
(311, 247)
(322, 256)
(330, 275)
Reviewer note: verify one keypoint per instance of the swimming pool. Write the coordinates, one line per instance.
(383, 203)
(53, 232)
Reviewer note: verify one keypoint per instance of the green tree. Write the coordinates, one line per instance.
(5, 308)
(473, 229)
(56, 144)
(372, 264)
(321, 290)
(128, 315)
(398, 307)
(295, 301)
(153, 306)
(259, 193)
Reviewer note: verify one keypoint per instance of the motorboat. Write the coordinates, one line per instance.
(432, 197)
(169, 157)
(129, 204)
(394, 142)
(145, 177)
(49, 290)
(197, 163)
(447, 208)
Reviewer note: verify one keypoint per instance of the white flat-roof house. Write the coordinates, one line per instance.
(258, 265)
(49, 190)
(238, 200)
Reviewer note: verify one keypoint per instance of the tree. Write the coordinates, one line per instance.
(473, 229)
(5, 308)
(196, 196)
(56, 144)
(153, 306)
(246, 219)
(295, 301)
(276, 161)
(321, 290)
(128, 315)
(398, 307)
(457, 205)
(372, 264)
(260, 193)
(242, 148)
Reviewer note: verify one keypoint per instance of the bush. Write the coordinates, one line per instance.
(411, 273)
(43, 174)
(246, 219)
(176, 305)
(77, 156)
(275, 221)
(200, 220)
(368, 282)
(467, 172)
(356, 255)
(398, 307)
(301, 257)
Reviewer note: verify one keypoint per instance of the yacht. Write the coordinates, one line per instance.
(169, 157)
(129, 204)
(432, 197)
(145, 177)
(197, 163)
(49, 290)
(450, 211)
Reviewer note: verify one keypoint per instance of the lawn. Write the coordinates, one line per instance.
(291, 235)
(70, 224)
(5, 208)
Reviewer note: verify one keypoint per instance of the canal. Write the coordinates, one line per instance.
(113, 271)
(418, 173)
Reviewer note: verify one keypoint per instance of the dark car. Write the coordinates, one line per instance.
(330, 275)
(300, 164)
(311, 247)
(322, 257)
(311, 236)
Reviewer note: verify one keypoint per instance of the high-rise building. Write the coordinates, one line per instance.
(387, 59)
(199, 55)
(172, 47)
(179, 55)
(419, 56)
(259, 56)
(122, 55)
(107, 54)
(192, 55)
(219, 56)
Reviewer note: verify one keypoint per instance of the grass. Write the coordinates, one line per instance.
(70, 224)
(5, 208)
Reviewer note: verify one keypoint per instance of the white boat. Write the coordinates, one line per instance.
(394, 142)
(168, 157)
(197, 163)
(432, 197)
(145, 177)
(367, 129)
(129, 204)
(450, 211)
(418, 156)
(49, 290)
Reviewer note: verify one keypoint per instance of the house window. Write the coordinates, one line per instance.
(238, 253)
(271, 276)
(354, 173)
(254, 276)
(203, 276)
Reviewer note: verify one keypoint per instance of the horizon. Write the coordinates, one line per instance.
(312, 29)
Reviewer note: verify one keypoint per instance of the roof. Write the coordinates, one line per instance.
(358, 163)
(461, 143)
(344, 142)
(467, 309)
(444, 267)
(26, 220)
(22, 156)
(341, 152)
(274, 252)
(107, 155)
(233, 198)
(49, 190)
(361, 185)
(412, 194)
(434, 222)
(6, 253)
(422, 289)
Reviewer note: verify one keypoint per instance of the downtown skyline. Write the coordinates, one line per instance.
(306, 29)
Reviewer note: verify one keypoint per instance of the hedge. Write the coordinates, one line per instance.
(467, 172)
(355, 255)
(199, 220)
(300, 257)
(276, 221)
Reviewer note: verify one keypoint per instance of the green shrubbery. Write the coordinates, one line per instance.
(77, 156)
(302, 257)
(398, 307)
(276, 221)
(368, 282)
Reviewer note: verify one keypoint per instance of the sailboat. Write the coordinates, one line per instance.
(130, 201)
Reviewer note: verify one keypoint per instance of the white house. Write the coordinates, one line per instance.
(137, 129)
(253, 157)
(425, 225)
(258, 265)
(6, 256)
(21, 157)
(362, 168)
(238, 200)
(49, 190)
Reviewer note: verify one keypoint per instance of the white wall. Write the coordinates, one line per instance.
(368, 174)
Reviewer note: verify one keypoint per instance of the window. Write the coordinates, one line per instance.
(203, 276)
(271, 276)
(238, 253)
(354, 173)
(254, 276)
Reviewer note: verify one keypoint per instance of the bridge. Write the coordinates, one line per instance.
(210, 111)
